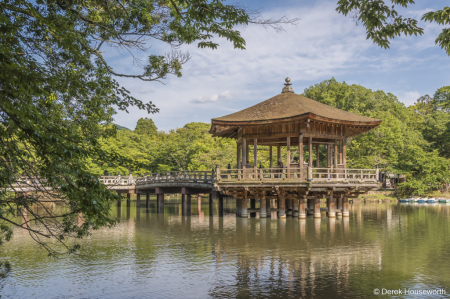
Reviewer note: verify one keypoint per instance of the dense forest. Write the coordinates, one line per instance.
(412, 141)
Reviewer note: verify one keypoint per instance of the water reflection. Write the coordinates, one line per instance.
(168, 255)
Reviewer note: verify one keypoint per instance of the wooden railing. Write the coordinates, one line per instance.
(206, 177)
(297, 174)
(261, 174)
(107, 180)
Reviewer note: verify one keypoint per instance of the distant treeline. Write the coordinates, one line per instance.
(414, 140)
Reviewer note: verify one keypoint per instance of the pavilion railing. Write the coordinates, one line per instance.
(177, 176)
(307, 174)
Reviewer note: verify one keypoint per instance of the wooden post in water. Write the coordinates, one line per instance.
(330, 204)
(288, 207)
(317, 207)
(268, 208)
(138, 200)
(188, 205)
(220, 205)
(147, 200)
(301, 207)
(345, 212)
(160, 203)
(128, 199)
(339, 205)
(211, 205)
(244, 210)
(310, 204)
(183, 204)
(281, 205)
(238, 206)
(295, 212)
(262, 205)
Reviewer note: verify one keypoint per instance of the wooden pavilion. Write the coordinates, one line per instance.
(290, 121)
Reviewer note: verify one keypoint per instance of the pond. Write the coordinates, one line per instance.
(384, 246)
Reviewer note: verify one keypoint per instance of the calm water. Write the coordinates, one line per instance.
(147, 255)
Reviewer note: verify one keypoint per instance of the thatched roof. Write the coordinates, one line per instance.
(289, 105)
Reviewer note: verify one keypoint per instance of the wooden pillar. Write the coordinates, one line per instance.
(188, 205)
(255, 153)
(238, 156)
(160, 203)
(344, 152)
(244, 210)
(278, 153)
(310, 152)
(268, 207)
(339, 205)
(328, 155)
(317, 207)
(289, 207)
(341, 161)
(138, 200)
(288, 152)
(330, 205)
(317, 155)
(281, 205)
(345, 212)
(270, 157)
(294, 207)
(335, 153)
(238, 206)
(301, 207)
(252, 203)
(244, 153)
(310, 204)
(183, 204)
(220, 205)
(300, 150)
(262, 205)
(147, 200)
(128, 200)
(211, 205)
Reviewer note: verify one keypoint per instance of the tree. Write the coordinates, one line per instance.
(442, 98)
(382, 21)
(57, 93)
(146, 126)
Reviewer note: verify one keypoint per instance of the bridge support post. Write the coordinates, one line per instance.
(345, 212)
(262, 205)
(220, 205)
(128, 200)
(268, 208)
(339, 205)
(244, 210)
(183, 204)
(138, 200)
(188, 205)
(295, 207)
(160, 203)
(317, 207)
(238, 207)
(211, 205)
(310, 205)
(330, 205)
(147, 200)
(281, 205)
(288, 207)
(252, 204)
(301, 208)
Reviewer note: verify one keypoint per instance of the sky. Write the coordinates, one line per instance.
(322, 45)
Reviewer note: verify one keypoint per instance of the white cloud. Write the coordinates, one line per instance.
(409, 97)
(226, 95)
(324, 44)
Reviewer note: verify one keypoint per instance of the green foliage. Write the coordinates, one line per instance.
(382, 21)
(57, 94)
(145, 126)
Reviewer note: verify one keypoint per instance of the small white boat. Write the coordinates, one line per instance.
(444, 200)
(432, 200)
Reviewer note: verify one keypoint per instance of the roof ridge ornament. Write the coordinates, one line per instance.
(288, 87)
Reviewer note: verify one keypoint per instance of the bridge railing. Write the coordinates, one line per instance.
(117, 180)
(206, 177)
(297, 174)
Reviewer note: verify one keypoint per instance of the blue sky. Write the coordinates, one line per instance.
(322, 45)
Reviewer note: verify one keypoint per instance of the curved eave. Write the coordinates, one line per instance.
(311, 116)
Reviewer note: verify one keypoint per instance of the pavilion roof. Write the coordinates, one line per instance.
(291, 105)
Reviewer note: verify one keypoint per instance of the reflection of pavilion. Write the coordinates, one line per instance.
(289, 121)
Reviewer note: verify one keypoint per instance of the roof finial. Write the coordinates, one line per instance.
(288, 87)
